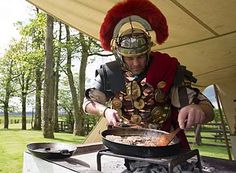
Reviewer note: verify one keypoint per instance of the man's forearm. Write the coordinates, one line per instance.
(94, 108)
(208, 110)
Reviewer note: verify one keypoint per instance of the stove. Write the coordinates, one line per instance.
(168, 163)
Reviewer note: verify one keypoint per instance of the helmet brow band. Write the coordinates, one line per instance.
(128, 19)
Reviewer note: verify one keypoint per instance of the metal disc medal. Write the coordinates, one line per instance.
(160, 96)
(139, 104)
(116, 103)
(161, 84)
(157, 111)
(136, 119)
(133, 90)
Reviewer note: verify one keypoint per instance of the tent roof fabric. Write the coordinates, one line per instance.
(202, 36)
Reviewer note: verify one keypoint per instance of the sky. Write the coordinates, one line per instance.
(10, 12)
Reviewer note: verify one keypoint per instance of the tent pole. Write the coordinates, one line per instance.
(217, 96)
(234, 119)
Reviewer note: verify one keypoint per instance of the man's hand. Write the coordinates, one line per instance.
(112, 117)
(191, 115)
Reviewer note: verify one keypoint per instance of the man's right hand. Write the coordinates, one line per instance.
(112, 117)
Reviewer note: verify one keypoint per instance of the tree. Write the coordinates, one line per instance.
(35, 34)
(22, 70)
(77, 120)
(82, 46)
(29, 63)
(83, 64)
(49, 83)
(7, 78)
(25, 79)
(64, 103)
(89, 47)
(57, 75)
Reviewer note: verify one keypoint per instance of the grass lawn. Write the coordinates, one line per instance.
(13, 143)
(211, 151)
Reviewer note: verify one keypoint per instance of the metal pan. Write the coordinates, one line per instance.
(51, 150)
(139, 151)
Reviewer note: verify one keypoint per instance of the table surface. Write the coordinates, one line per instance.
(85, 161)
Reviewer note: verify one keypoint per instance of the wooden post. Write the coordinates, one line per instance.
(198, 139)
(222, 120)
(234, 120)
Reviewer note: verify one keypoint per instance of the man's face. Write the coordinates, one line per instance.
(136, 64)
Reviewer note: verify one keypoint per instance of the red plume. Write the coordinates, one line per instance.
(142, 8)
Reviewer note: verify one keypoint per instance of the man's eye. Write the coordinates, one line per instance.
(129, 59)
(142, 57)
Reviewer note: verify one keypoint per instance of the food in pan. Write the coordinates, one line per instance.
(134, 140)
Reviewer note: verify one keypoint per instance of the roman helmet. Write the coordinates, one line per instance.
(126, 28)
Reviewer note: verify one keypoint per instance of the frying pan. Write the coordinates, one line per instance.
(139, 151)
(51, 150)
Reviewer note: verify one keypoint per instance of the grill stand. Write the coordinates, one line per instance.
(169, 162)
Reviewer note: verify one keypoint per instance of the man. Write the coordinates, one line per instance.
(143, 88)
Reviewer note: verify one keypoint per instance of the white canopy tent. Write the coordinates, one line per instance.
(202, 35)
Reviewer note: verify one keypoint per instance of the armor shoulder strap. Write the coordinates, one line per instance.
(112, 77)
(102, 73)
(183, 74)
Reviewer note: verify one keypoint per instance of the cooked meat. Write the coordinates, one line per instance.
(133, 140)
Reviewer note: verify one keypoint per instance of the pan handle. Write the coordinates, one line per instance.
(65, 152)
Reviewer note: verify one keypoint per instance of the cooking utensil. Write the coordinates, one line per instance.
(139, 151)
(165, 139)
(124, 123)
(51, 150)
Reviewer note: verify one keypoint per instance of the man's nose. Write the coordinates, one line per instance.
(136, 62)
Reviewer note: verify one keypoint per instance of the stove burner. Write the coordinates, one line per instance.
(170, 162)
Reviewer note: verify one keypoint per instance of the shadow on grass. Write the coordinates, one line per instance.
(17, 130)
(76, 141)
(10, 129)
